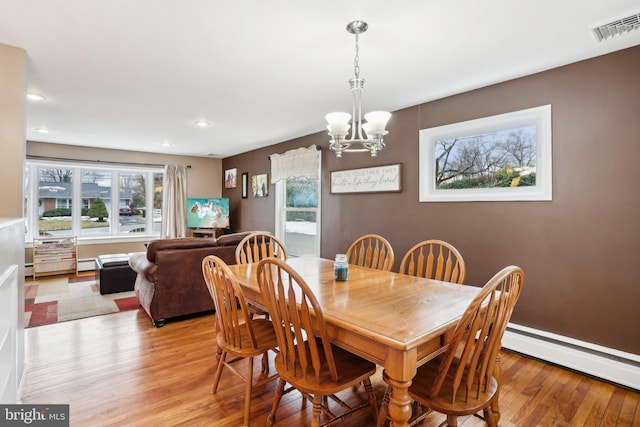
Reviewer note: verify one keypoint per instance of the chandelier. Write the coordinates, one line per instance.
(366, 136)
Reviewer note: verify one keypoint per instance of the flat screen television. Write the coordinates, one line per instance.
(208, 213)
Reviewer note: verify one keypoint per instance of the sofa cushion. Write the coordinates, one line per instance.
(233, 238)
(179, 243)
(112, 260)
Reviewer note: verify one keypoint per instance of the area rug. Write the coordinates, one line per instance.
(61, 298)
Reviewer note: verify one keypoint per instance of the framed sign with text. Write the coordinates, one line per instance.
(366, 180)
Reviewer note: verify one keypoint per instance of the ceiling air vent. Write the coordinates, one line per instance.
(616, 28)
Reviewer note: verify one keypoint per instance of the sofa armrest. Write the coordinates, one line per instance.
(141, 265)
(158, 245)
(232, 239)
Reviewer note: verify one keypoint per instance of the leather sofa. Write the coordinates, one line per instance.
(169, 280)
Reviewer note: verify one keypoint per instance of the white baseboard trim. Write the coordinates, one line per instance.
(602, 362)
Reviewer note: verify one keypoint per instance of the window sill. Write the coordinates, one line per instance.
(101, 240)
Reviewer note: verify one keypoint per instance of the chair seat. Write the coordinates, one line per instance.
(265, 339)
(352, 369)
(464, 404)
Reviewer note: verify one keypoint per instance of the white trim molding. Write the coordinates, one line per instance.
(602, 362)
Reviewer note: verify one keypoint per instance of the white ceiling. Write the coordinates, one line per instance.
(134, 74)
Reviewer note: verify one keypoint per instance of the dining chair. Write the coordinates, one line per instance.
(238, 334)
(434, 259)
(257, 246)
(466, 377)
(372, 251)
(307, 360)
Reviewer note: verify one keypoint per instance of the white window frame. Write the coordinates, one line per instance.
(32, 200)
(282, 209)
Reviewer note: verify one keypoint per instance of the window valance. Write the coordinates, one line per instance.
(296, 163)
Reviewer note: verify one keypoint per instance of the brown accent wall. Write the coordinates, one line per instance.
(580, 252)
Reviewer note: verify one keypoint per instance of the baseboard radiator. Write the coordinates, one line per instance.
(602, 362)
(88, 264)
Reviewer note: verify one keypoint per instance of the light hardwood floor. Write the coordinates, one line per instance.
(119, 370)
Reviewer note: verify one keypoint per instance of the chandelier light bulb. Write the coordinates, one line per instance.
(338, 123)
(377, 120)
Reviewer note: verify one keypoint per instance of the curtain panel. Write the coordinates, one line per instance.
(174, 202)
(296, 163)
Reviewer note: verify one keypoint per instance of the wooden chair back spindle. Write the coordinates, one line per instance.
(257, 246)
(372, 251)
(434, 259)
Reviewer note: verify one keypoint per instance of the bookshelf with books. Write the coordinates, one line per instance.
(55, 256)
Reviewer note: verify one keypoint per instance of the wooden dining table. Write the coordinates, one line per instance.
(394, 320)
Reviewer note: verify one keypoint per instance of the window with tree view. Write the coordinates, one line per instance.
(92, 202)
(497, 159)
(506, 157)
(297, 214)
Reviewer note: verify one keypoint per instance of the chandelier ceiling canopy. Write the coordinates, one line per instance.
(367, 136)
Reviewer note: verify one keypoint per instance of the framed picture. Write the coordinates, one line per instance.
(245, 184)
(366, 180)
(230, 177)
(260, 185)
(498, 158)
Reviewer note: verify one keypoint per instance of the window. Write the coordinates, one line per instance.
(92, 201)
(63, 203)
(298, 215)
(96, 196)
(297, 175)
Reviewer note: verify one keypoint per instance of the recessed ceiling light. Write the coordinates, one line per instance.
(167, 144)
(35, 96)
(42, 130)
(202, 123)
